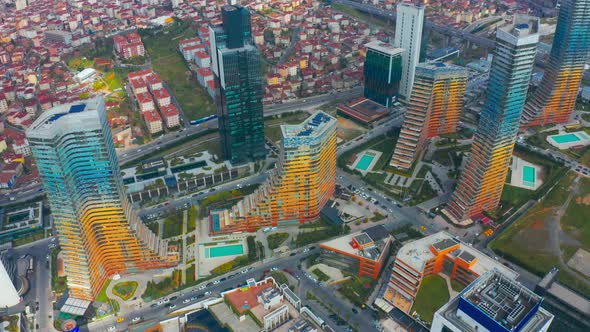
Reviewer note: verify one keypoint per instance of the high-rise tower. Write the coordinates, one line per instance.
(408, 35)
(483, 177)
(382, 72)
(555, 98)
(99, 234)
(299, 186)
(236, 64)
(434, 109)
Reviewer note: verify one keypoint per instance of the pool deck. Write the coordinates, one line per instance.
(204, 264)
(376, 154)
(517, 176)
(583, 140)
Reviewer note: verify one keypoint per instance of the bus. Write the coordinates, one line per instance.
(203, 120)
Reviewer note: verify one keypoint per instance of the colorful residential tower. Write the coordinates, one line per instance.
(300, 185)
(434, 109)
(484, 174)
(236, 64)
(555, 98)
(99, 234)
(382, 72)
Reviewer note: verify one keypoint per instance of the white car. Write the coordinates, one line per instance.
(166, 300)
(207, 293)
(216, 282)
(202, 287)
(160, 302)
(112, 328)
(136, 319)
(185, 301)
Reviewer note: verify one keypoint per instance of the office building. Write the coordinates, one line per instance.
(300, 185)
(361, 253)
(382, 72)
(236, 64)
(99, 234)
(493, 302)
(481, 183)
(408, 35)
(434, 254)
(434, 109)
(555, 98)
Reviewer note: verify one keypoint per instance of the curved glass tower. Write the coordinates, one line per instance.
(99, 234)
(554, 100)
(484, 174)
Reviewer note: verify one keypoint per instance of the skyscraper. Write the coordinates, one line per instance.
(300, 185)
(434, 109)
(408, 35)
(236, 64)
(382, 72)
(99, 234)
(555, 97)
(482, 180)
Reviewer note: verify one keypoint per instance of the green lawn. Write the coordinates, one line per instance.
(279, 277)
(173, 225)
(575, 221)
(125, 290)
(357, 289)
(161, 46)
(457, 286)
(80, 63)
(516, 196)
(432, 295)
(384, 143)
(377, 217)
(102, 296)
(275, 240)
(321, 275)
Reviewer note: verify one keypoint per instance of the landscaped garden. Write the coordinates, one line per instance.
(125, 290)
(432, 295)
(275, 240)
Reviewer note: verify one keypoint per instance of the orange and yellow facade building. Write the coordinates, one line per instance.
(481, 183)
(99, 234)
(555, 98)
(298, 188)
(438, 253)
(434, 109)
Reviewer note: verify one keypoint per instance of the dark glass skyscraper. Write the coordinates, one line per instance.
(236, 63)
(383, 72)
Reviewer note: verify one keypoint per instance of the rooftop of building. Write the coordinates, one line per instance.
(67, 115)
(314, 125)
(496, 302)
(523, 30)
(384, 47)
(417, 253)
(356, 243)
(441, 70)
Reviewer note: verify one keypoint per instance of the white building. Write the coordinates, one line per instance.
(85, 75)
(493, 302)
(408, 35)
(9, 296)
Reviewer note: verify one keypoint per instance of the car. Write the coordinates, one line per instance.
(120, 319)
(355, 311)
(202, 287)
(312, 248)
(200, 296)
(185, 301)
(136, 319)
(274, 268)
(153, 305)
(160, 302)
(173, 298)
(244, 271)
(223, 279)
(172, 306)
(111, 328)
(209, 284)
(166, 300)
(293, 254)
(216, 282)
(207, 293)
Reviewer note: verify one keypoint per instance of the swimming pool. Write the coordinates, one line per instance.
(221, 251)
(528, 176)
(566, 138)
(365, 162)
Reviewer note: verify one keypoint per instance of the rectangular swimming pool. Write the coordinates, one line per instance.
(221, 251)
(565, 138)
(528, 176)
(365, 162)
